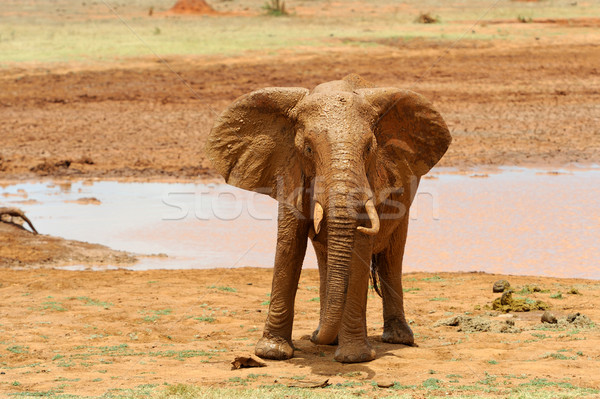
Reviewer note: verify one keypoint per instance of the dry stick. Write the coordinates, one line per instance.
(18, 213)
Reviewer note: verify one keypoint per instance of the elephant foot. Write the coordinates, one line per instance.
(397, 331)
(274, 348)
(354, 353)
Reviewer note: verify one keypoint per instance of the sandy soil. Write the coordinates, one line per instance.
(86, 332)
(506, 103)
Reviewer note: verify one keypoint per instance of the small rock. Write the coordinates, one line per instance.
(501, 286)
(548, 317)
(385, 384)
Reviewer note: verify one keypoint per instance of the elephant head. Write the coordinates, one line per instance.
(332, 153)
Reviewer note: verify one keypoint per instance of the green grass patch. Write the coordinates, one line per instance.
(558, 356)
(223, 288)
(93, 302)
(18, 349)
(154, 315)
(432, 383)
(89, 31)
(205, 319)
(433, 278)
(51, 305)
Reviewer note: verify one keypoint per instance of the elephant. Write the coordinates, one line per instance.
(343, 160)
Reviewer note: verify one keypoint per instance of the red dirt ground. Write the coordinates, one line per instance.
(505, 103)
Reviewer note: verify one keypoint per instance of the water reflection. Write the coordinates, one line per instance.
(519, 221)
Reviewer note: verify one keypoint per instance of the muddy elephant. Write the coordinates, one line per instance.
(343, 160)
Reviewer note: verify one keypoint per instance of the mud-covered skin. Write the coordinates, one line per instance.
(344, 161)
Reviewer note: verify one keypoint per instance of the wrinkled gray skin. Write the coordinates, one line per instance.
(335, 151)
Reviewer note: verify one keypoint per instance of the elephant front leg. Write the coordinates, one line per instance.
(276, 342)
(389, 269)
(353, 346)
(321, 253)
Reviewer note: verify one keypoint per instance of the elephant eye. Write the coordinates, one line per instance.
(308, 150)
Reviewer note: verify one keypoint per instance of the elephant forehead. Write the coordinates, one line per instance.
(334, 110)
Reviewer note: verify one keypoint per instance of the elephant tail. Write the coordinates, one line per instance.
(375, 280)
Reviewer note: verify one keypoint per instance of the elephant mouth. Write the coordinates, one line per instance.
(371, 213)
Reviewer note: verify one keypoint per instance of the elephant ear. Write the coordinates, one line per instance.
(408, 130)
(251, 143)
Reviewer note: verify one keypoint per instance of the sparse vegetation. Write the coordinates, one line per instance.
(427, 18)
(206, 319)
(433, 278)
(275, 8)
(93, 302)
(223, 288)
(524, 19)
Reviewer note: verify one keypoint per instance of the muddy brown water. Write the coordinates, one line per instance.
(514, 221)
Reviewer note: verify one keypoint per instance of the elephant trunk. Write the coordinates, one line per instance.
(341, 229)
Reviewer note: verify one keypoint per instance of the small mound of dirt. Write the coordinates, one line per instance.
(479, 324)
(506, 303)
(580, 321)
(426, 18)
(574, 320)
(196, 7)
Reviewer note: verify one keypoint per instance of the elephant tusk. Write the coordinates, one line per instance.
(374, 229)
(318, 216)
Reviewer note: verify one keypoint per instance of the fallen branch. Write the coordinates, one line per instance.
(15, 212)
